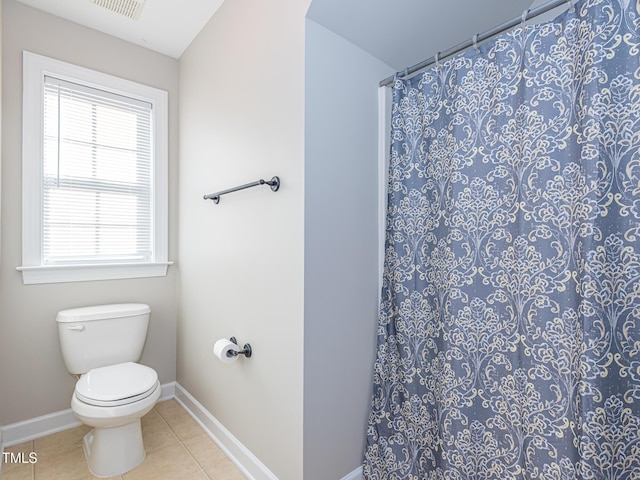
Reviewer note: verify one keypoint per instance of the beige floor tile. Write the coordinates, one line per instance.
(180, 422)
(224, 470)
(61, 456)
(168, 408)
(20, 468)
(59, 443)
(17, 472)
(156, 433)
(168, 463)
(213, 460)
(67, 465)
(22, 473)
(198, 476)
(204, 450)
(93, 477)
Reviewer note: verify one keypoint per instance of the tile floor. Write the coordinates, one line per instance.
(177, 449)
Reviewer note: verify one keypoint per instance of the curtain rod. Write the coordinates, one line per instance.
(527, 15)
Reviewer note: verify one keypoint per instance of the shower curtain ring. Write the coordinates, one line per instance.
(475, 43)
(572, 8)
(525, 14)
(437, 60)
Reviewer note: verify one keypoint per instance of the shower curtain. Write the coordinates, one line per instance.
(509, 329)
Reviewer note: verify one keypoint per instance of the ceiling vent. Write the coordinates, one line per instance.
(128, 8)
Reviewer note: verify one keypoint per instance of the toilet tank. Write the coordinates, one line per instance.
(92, 337)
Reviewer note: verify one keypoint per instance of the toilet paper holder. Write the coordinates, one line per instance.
(246, 350)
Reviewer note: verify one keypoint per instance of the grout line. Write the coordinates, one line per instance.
(167, 424)
(181, 442)
(194, 459)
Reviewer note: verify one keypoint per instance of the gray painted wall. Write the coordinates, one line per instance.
(341, 249)
(33, 378)
(241, 262)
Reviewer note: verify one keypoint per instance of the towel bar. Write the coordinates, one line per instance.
(274, 183)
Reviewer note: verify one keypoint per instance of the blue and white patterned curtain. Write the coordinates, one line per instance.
(509, 334)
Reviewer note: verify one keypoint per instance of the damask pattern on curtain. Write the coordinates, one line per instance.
(509, 332)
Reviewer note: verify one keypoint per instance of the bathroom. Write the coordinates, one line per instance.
(259, 92)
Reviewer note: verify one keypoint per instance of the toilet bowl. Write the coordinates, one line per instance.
(101, 344)
(113, 399)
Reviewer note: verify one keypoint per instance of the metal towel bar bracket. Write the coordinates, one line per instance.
(274, 183)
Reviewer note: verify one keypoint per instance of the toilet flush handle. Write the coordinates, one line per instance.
(76, 327)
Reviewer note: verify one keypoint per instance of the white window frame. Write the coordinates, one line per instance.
(35, 68)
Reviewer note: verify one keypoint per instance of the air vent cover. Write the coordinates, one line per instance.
(128, 8)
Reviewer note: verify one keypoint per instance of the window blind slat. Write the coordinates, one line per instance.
(97, 201)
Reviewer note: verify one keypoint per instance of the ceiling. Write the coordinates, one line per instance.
(166, 26)
(401, 33)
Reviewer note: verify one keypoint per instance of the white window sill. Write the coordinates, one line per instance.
(86, 273)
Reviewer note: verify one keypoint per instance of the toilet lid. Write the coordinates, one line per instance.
(116, 384)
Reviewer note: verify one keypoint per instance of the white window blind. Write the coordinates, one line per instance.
(95, 201)
(97, 187)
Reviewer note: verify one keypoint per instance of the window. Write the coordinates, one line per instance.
(94, 175)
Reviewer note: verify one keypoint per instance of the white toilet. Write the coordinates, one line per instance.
(102, 344)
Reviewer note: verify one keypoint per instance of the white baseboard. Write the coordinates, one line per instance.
(168, 391)
(54, 422)
(246, 461)
(39, 427)
(355, 475)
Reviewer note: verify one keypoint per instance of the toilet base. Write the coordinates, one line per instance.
(113, 451)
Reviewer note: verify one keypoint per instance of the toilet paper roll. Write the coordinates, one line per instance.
(222, 348)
